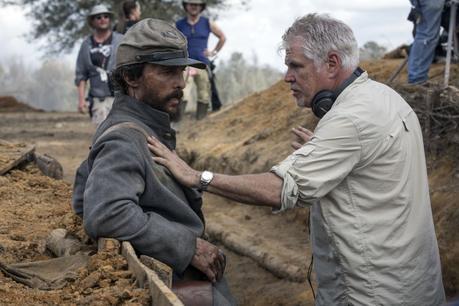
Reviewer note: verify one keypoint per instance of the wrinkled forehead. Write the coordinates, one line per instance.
(294, 47)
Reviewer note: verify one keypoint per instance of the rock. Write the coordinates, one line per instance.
(91, 281)
(126, 294)
(4, 181)
(17, 237)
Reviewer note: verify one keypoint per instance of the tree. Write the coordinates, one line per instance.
(63, 22)
(371, 50)
(237, 78)
(49, 87)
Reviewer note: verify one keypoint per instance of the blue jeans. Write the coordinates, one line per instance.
(422, 51)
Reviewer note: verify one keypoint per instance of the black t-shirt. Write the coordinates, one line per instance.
(100, 52)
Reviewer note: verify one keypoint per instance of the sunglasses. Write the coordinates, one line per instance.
(103, 16)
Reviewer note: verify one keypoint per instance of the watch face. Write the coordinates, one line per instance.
(207, 176)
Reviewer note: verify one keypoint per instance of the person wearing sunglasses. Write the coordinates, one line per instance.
(96, 59)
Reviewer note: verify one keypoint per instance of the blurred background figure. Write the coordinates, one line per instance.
(96, 59)
(197, 29)
(426, 14)
(128, 16)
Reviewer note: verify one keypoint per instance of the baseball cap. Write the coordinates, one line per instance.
(154, 41)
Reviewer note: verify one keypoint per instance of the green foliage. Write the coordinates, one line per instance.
(63, 22)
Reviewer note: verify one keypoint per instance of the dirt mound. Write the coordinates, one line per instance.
(254, 135)
(9, 104)
(31, 206)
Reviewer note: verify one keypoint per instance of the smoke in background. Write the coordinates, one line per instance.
(49, 87)
(238, 78)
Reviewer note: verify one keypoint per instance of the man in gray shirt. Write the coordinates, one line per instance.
(96, 59)
(120, 191)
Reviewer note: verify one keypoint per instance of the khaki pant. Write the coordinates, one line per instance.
(200, 78)
(100, 109)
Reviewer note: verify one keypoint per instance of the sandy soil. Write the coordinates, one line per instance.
(67, 136)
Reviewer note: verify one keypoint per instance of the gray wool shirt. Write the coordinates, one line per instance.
(122, 193)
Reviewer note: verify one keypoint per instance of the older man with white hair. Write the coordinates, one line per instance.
(362, 173)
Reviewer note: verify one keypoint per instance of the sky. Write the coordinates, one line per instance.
(255, 30)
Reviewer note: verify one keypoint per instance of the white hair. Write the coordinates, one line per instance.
(322, 34)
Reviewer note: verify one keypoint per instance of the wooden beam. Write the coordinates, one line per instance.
(12, 155)
(163, 271)
(161, 294)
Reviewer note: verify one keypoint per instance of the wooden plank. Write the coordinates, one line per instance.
(11, 155)
(163, 271)
(161, 295)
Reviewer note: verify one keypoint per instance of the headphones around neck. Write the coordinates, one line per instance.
(324, 99)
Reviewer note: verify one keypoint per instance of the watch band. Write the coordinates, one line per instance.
(205, 179)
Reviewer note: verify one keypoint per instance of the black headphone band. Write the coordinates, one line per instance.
(324, 99)
(355, 74)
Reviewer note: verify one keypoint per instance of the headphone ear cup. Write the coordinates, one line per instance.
(322, 102)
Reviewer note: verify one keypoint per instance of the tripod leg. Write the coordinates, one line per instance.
(451, 32)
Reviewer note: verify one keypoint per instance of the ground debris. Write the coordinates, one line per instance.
(33, 205)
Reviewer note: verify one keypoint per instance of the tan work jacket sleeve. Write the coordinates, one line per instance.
(320, 165)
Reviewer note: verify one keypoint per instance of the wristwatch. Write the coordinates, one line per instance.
(206, 178)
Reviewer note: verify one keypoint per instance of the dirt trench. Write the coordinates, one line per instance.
(45, 205)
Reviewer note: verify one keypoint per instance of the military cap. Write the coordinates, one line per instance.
(154, 41)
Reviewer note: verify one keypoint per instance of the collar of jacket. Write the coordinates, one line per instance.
(157, 120)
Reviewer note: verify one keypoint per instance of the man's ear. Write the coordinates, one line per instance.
(134, 83)
(334, 63)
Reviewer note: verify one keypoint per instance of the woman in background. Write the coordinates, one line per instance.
(129, 15)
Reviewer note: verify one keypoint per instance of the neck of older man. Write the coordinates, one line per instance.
(341, 77)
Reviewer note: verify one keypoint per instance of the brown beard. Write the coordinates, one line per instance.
(161, 104)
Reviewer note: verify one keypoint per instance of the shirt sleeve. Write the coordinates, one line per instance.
(111, 204)
(81, 70)
(312, 171)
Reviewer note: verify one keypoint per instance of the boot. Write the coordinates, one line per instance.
(201, 110)
(180, 111)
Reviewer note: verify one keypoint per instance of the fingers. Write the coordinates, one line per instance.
(218, 264)
(296, 145)
(211, 274)
(304, 135)
(160, 160)
(302, 132)
(209, 259)
(222, 264)
(156, 147)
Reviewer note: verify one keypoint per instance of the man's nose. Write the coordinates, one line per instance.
(288, 78)
(180, 81)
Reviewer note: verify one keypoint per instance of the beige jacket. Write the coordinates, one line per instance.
(364, 175)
